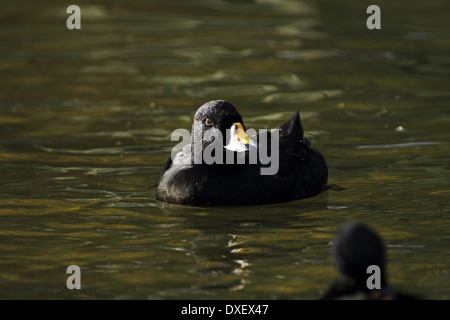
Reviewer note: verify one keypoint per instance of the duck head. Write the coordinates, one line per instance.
(218, 121)
(356, 247)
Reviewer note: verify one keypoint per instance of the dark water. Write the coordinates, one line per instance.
(85, 123)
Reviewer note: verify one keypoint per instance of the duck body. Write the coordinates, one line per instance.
(302, 170)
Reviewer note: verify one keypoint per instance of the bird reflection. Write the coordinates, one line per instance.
(222, 248)
(219, 251)
(219, 255)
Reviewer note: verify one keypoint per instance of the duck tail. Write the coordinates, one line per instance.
(292, 128)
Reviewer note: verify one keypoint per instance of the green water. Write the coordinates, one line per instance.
(85, 123)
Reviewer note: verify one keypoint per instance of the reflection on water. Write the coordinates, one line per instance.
(85, 124)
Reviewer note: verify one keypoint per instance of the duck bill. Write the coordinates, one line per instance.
(239, 139)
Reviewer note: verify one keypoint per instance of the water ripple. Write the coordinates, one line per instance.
(399, 145)
(101, 151)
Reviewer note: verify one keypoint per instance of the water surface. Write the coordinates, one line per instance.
(85, 123)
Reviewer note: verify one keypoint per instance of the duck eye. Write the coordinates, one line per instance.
(208, 122)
